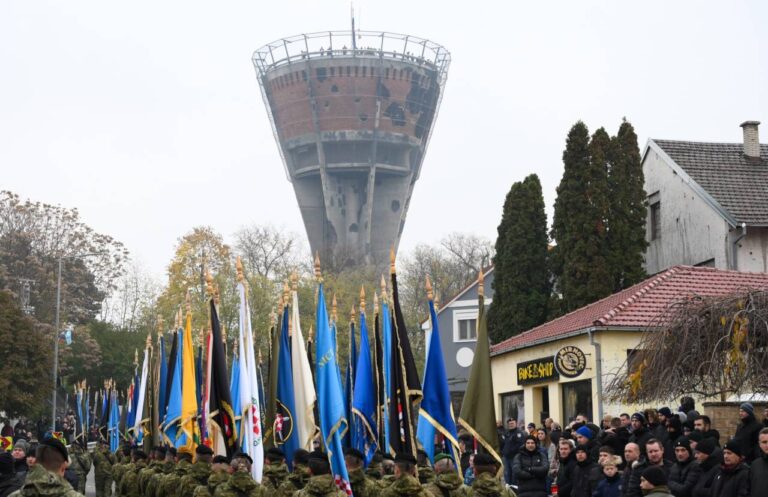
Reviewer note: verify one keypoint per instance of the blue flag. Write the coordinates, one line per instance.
(114, 422)
(436, 412)
(173, 414)
(364, 430)
(234, 390)
(285, 435)
(386, 327)
(349, 385)
(161, 388)
(330, 401)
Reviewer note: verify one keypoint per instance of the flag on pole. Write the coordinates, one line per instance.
(284, 428)
(333, 424)
(364, 430)
(303, 382)
(234, 390)
(221, 420)
(349, 384)
(386, 354)
(188, 423)
(114, 422)
(173, 413)
(161, 381)
(251, 429)
(405, 390)
(436, 412)
(140, 398)
(478, 412)
(269, 426)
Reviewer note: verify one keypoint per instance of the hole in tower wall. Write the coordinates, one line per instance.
(363, 116)
(395, 205)
(334, 89)
(321, 74)
(353, 228)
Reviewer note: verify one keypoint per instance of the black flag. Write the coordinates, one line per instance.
(221, 417)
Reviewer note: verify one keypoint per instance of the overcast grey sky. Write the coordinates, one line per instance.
(147, 116)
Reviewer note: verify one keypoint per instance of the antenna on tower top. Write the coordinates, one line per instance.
(352, 14)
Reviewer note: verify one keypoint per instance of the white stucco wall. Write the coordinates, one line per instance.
(753, 251)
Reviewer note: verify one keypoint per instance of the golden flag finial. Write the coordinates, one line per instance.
(311, 334)
(259, 355)
(352, 313)
(178, 318)
(375, 303)
(437, 301)
(294, 281)
(223, 334)
(136, 357)
(334, 315)
(148, 344)
(383, 288)
(318, 273)
(428, 286)
(480, 283)
(188, 303)
(202, 336)
(280, 303)
(159, 326)
(286, 293)
(208, 283)
(272, 317)
(239, 268)
(362, 299)
(216, 294)
(392, 260)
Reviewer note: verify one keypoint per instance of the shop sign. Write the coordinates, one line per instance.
(535, 371)
(570, 361)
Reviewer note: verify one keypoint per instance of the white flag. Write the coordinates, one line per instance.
(139, 407)
(303, 386)
(250, 423)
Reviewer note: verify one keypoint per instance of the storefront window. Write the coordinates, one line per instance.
(512, 407)
(577, 399)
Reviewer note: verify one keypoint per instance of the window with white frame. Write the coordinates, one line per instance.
(465, 325)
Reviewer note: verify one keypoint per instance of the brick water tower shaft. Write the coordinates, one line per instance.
(352, 115)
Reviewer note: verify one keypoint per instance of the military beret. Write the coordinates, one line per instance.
(353, 452)
(56, 444)
(485, 460)
(139, 454)
(171, 450)
(387, 456)
(220, 460)
(184, 450)
(159, 450)
(301, 456)
(405, 457)
(203, 450)
(443, 455)
(243, 455)
(318, 454)
(274, 453)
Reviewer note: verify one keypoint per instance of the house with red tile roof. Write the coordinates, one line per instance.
(707, 203)
(561, 368)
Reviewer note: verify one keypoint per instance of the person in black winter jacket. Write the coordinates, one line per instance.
(747, 432)
(758, 472)
(732, 480)
(9, 481)
(640, 434)
(654, 457)
(580, 484)
(685, 472)
(610, 485)
(530, 469)
(631, 456)
(567, 461)
(709, 457)
(513, 441)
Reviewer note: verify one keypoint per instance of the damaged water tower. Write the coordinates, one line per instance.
(352, 112)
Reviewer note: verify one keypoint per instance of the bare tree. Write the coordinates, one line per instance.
(268, 251)
(135, 295)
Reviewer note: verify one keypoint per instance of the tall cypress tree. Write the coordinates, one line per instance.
(580, 221)
(521, 284)
(626, 221)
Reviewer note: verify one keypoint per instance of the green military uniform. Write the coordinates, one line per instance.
(386, 481)
(448, 484)
(321, 486)
(146, 473)
(405, 485)
(426, 475)
(296, 480)
(274, 475)
(217, 478)
(363, 485)
(197, 476)
(81, 464)
(157, 478)
(103, 460)
(240, 484)
(118, 473)
(170, 483)
(129, 485)
(43, 483)
(374, 470)
(487, 484)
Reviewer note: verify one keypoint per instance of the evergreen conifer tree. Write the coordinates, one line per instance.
(521, 283)
(580, 220)
(626, 221)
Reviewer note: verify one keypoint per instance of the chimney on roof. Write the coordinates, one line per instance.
(751, 139)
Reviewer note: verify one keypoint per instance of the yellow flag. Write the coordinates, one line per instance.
(188, 389)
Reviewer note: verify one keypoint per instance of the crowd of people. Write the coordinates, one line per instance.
(654, 452)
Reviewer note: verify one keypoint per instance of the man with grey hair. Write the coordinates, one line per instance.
(631, 456)
(447, 482)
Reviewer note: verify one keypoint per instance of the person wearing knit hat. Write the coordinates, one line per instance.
(653, 482)
(748, 431)
(708, 457)
(732, 479)
(685, 472)
(581, 485)
(530, 467)
(640, 433)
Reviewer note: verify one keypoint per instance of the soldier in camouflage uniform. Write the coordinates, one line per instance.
(170, 482)
(240, 483)
(362, 485)
(375, 470)
(129, 483)
(81, 464)
(486, 482)
(46, 477)
(219, 475)
(198, 473)
(103, 460)
(275, 469)
(155, 463)
(124, 461)
(426, 473)
(299, 477)
(388, 471)
(166, 469)
(447, 482)
(405, 482)
(321, 483)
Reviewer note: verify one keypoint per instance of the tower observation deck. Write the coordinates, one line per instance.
(352, 113)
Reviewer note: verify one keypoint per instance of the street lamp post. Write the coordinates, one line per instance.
(56, 332)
